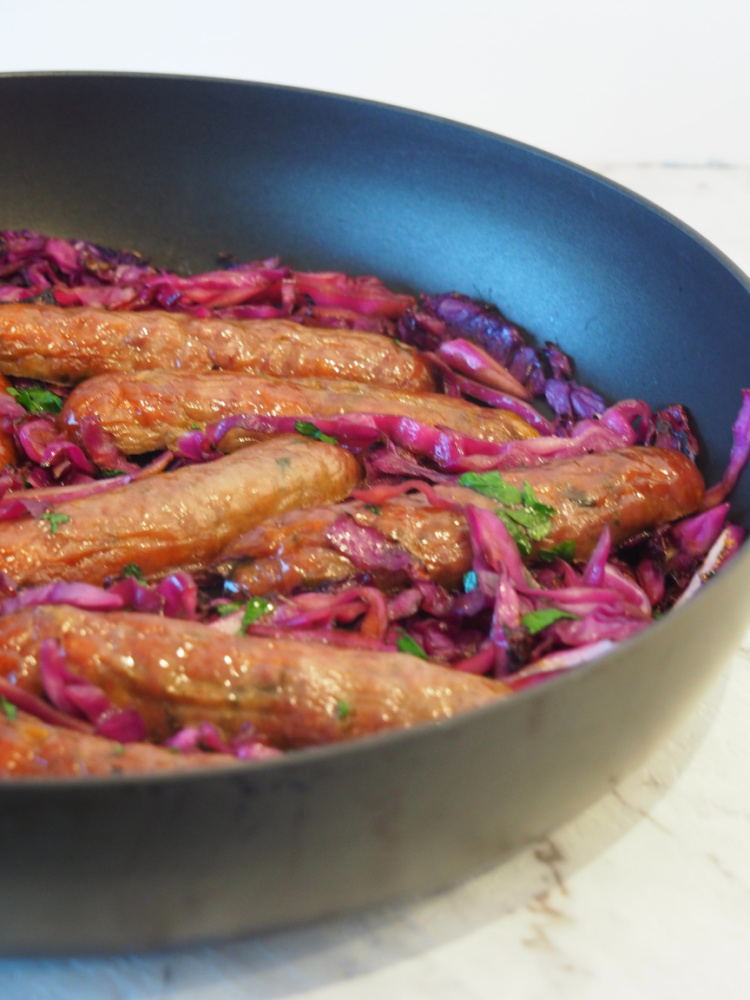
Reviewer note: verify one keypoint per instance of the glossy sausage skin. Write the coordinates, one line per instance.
(150, 410)
(30, 748)
(630, 490)
(179, 519)
(8, 454)
(70, 344)
(293, 693)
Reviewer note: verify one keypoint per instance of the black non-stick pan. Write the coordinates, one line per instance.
(183, 169)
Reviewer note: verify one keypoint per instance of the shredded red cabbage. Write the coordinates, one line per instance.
(515, 618)
(85, 700)
(468, 359)
(80, 273)
(206, 736)
(738, 457)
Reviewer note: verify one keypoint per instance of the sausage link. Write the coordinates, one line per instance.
(150, 410)
(30, 748)
(70, 344)
(8, 453)
(180, 519)
(292, 693)
(630, 490)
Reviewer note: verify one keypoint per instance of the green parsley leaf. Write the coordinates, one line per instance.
(516, 532)
(530, 501)
(537, 525)
(10, 710)
(254, 609)
(405, 644)
(470, 581)
(37, 400)
(535, 621)
(492, 484)
(342, 709)
(310, 430)
(134, 570)
(565, 550)
(375, 510)
(222, 610)
(118, 750)
(111, 473)
(54, 520)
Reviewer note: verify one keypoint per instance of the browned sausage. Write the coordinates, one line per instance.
(8, 452)
(70, 344)
(293, 693)
(180, 519)
(630, 490)
(30, 748)
(151, 410)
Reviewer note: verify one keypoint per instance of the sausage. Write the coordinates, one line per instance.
(630, 490)
(68, 345)
(180, 519)
(151, 410)
(30, 748)
(292, 693)
(8, 453)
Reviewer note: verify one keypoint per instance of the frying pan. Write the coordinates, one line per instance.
(183, 169)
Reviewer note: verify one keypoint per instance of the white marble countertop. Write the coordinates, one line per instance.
(648, 893)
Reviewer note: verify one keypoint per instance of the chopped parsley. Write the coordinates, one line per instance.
(111, 473)
(373, 509)
(254, 609)
(10, 710)
(526, 518)
(565, 550)
(37, 400)
(343, 709)
(535, 621)
(54, 520)
(134, 570)
(405, 644)
(516, 532)
(222, 610)
(492, 484)
(310, 430)
(537, 525)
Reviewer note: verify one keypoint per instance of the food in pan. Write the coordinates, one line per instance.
(176, 520)
(152, 410)
(180, 674)
(68, 345)
(256, 510)
(627, 491)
